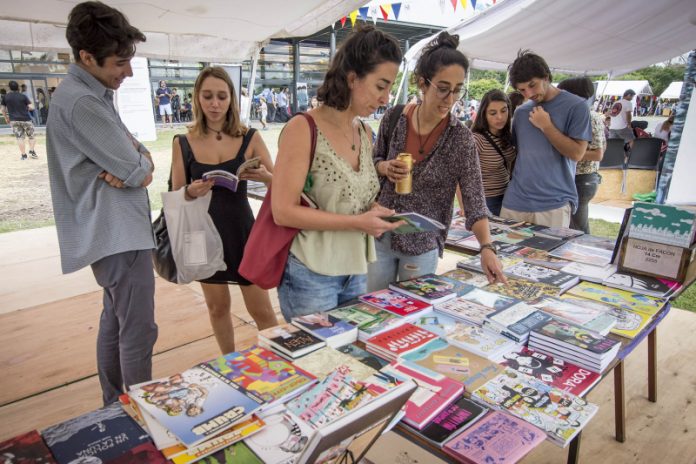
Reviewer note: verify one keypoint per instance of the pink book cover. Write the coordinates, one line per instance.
(395, 302)
(552, 371)
(434, 393)
(498, 437)
(400, 339)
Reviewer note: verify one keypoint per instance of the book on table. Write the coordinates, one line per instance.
(239, 453)
(653, 286)
(438, 356)
(488, 299)
(429, 288)
(289, 340)
(575, 344)
(667, 224)
(497, 437)
(434, 393)
(523, 289)
(467, 278)
(629, 323)
(399, 340)
(395, 302)
(322, 362)
(226, 179)
(589, 272)
(28, 447)
(542, 274)
(465, 310)
(559, 413)
(414, 223)
(282, 440)
(534, 256)
(369, 319)
(590, 318)
(454, 419)
(516, 322)
(603, 243)
(582, 254)
(334, 331)
(552, 371)
(634, 301)
(539, 242)
(473, 263)
(560, 232)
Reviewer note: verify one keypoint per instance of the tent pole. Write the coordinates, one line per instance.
(252, 80)
(507, 80)
(402, 91)
(606, 84)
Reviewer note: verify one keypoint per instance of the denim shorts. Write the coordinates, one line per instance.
(392, 265)
(302, 291)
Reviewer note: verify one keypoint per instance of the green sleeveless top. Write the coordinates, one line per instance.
(337, 188)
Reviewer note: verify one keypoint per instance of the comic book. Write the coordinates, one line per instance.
(665, 224)
(516, 322)
(28, 447)
(589, 318)
(289, 340)
(582, 254)
(430, 288)
(395, 302)
(470, 278)
(488, 299)
(334, 331)
(369, 320)
(282, 440)
(523, 289)
(559, 413)
(623, 299)
(454, 419)
(465, 310)
(628, 323)
(323, 361)
(399, 340)
(542, 274)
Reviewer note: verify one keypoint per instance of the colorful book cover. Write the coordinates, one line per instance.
(517, 320)
(522, 289)
(621, 298)
(512, 236)
(589, 272)
(475, 279)
(26, 448)
(591, 319)
(430, 288)
(440, 357)
(369, 359)
(290, 339)
(561, 232)
(239, 453)
(582, 254)
(473, 263)
(542, 274)
(642, 284)
(497, 438)
(282, 439)
(552, 371)
(145, 453)
(572, 335)
(323, 361)
(628, 323)
(196, 404)
(666, 224)
(324, 326)
(596, 242)
(262, 373)
(399, 340)
(539, 257)
(105, 434)
(559, 413)
(459, 287)
(452, 420)
(369, 319)
(465, 310)
(489, 299)
(435, 391)
(394, 302)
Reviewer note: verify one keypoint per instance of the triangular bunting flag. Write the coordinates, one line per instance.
(454, 5)
(464, 4)
(473, 4)
(363, 13)
(385, 9)
(396, 7)
(343, 21)
(353, 16)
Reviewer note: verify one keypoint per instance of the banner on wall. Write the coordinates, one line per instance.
(134, 101)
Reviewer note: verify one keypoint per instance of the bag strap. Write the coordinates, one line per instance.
(497, 148)
(393, 120)
(312, 135)
(187, 158)
(246, 141)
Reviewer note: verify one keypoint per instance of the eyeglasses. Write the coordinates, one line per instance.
(444, 92)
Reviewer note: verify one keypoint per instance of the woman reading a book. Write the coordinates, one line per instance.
(444, 157)
(493, 138)
(218, 141)
(328, 259)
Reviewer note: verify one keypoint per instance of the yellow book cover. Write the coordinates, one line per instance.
(621, 298)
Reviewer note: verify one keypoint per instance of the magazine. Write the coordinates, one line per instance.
(415, 223)
(228, 180)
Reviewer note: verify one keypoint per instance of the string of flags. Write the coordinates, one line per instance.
(387, 11)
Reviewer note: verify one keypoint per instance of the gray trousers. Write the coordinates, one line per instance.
(127, 329)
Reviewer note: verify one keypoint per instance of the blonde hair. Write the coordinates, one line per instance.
(233, 125)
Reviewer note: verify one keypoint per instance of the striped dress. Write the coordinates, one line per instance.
(494, 171)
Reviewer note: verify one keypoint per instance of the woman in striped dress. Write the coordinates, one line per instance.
(493, 138)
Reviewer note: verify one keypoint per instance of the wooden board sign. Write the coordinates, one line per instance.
(655, 259)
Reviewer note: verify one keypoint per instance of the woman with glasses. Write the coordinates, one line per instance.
(493, 137)
(444, 157)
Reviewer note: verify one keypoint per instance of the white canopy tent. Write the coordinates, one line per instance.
(194, 30)
(673, 91)
(617, 88)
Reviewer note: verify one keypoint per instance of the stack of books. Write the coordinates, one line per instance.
(465, 310)
(468, 278)
(332, 330)
(429, 288)
(395, 302)
(399, 340)
(451, 421)
(289, 341)
(574, 344)
(653, 286)
(573, 251)
(590, 318)
(523, 289)
(516, 322)
(369, 320)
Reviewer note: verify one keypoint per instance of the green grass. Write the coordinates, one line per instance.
(686, 300)
(21, 224)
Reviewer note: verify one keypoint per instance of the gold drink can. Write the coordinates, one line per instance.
(405, 185)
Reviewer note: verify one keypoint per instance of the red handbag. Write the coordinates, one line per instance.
(267, 249)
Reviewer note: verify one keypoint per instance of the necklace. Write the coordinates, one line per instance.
(421, 143)
(352, 131)
(218, 133)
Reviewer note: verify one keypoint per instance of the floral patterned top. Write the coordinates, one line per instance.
(598, 141)
(452, 161)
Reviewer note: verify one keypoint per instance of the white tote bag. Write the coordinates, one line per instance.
(196, 243)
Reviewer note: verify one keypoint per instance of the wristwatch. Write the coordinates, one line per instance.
(490, 246)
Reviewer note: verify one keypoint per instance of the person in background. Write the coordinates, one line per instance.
(32, 112)
(313, 103)
(328, 258)
(516, 99)
(164, 102)
(16, 108)
(302, 98)
(98, 175)
(587, 179)
(218, 140)
(620, 127)
(444, 158)
(176, 105)
(244, 108)
(551, 132)
(493, 137)
(263, 106)
(663, 130)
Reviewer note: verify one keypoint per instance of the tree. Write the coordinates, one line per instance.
(479, 87)
(659, 77)
(412, 88)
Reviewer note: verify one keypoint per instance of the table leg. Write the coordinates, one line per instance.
(574, 449)
(652, 366)
(619, 406)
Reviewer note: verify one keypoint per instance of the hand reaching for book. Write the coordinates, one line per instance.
(260, 174)
(371, 222)
(492, 267)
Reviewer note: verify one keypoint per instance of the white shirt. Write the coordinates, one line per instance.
(620, 121)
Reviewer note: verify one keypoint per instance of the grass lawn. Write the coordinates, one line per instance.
(686, 300)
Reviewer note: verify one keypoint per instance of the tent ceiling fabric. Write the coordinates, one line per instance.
(604, 36)
(673, 91)
(202, 30)
(617, 88)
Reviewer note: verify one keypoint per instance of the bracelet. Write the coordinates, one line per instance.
(489, 246)
(186, 192)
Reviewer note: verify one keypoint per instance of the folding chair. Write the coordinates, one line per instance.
(615, 158)
(645, 153)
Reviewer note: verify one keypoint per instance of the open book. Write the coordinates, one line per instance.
(414, 223)
(229, 180)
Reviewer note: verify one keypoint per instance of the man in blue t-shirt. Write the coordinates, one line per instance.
(551, 131)
(164, 101)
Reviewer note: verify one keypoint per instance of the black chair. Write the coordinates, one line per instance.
(642, 124)
(614, 156)
(645, 153)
